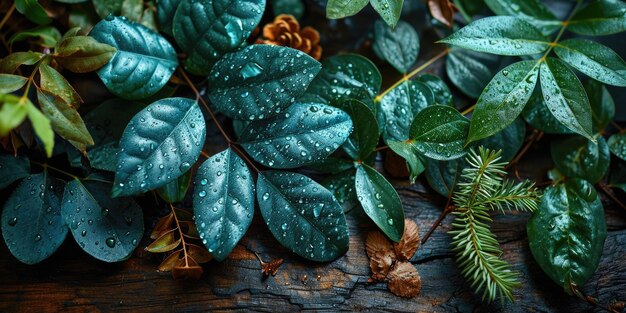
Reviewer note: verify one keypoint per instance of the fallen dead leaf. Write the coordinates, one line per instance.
(443, 11)
(409, 242)
(404, 280)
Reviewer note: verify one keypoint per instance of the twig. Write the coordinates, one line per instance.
(7, 16)
(607, 190)
(46, 166)
(534, 137)
(448, 209)
(469, 110)
(589, 299)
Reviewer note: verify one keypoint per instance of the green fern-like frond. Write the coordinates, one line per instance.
(482, 188)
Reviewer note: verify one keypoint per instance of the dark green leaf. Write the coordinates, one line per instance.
(532, 11)
(617, 178)
(12, 169)
(105, 8)
(109, 229)
(341, 185)
(504, 99)
(332, 165)
(302, 215)
(470, 71)
(578, 157)
(33, 11)
(159, 144)
(82, 54)
(400, 106)
(602, 105)
(440, 132)
(389, 10)
(64, 119)
(594, 59)
(538, 115)
(566, 234)
(602, 17)
(53, 82)
(48, 35)
(399, 46)
(223, 202)
(144, 60)
(41, 126)
(565, 97)
(10, 83)
(341, 8)
(303, 134)
(292, 7)
(173, 191)
(617, 145)
(504, 35)
(509, 140)
(32, 226)
(439, 88)
(380, 201)
(365, 133)
(12, 112)
(165, 14)
(260, 81)
(413, 161)
(444, 175)
(11, 62)
(208, 29)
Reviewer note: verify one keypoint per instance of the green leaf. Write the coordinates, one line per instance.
(302, 215)
(53, 82)
(208, 29)
(109, 229)
(566, 234)
(365, 133)
(617, 177)
(400, 105)
(413, 161)
(565, 97)
(617, 145)
(503, 35)
(104, 8)
(538, 115)
(342, 8)
(504, 99)
(443, 176)
(41, 126)
(470, 71)
(594, 60)
(144, 60)
(303, 134)
(260, 81)
(581, 158)
(32, 226)
(602, 105)
(13, 168)
(399, 46)
(48, 36)
(440, 132)
(159, 144)
(10, 83)
(165, 14)
(12, 112)
(509, 140)
(82, 54)
(532, 11)
(223, 202)
(380, 201)
(331, 165)
(11, 62)
(602, 17)
(33, 11)
(341, 185)
(439, 88)
(132, 9)
(64, 119)
(174, 191)
(389, 10)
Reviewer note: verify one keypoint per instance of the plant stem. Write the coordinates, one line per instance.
(412, 73)
(620, 129)
(46, 166)
(591, 300)
(448, 209)
(182, 236)
(607, 190)
(7, 16)
(381, 148)
(245, 157)
(534, 137)
(469, 110)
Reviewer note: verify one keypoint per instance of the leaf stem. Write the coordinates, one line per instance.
(534, 137)
(448, 209)
(413, 73)
(565, 23)
(468, 110)
(182, 236)
(381, 148)
(46, 166)
(7, 16)
(607, 190)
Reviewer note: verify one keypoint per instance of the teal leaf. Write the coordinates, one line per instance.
(566, 233)
(538, 115)
(407, 151)
(509, 140)
(440, 132)
(331, 165)
(389, 10)
(109, 229)
(32, 226)
(443, 176)
(165, 14)
(33, 11)
(291, 7)
(503, 35)
(176, 190)
(400, 106)
(208, 29)
(594, 60)
(302, 215)
(260, 81)
(159, 144)
(617, 145)
(223, 202)
(440, 90)
(342, 8)
(341, 185)
(504, 99)
(13, 168)
(602, 17)
(565, 97)
(532, 11)
(305, 133)
(581, 158)
(144, 60)
(602, 105)
(365, 133)
(380, 201)
(399, 46)
(471, 71)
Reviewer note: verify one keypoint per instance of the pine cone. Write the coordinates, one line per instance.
(285, 31)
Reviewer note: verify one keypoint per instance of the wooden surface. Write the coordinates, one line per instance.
(72, 281)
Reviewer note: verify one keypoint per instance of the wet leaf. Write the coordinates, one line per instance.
(389, 10)
(439, 88)
(593, 59)
(409, 152)
(82, 54)
(64, 119)
(581, 158)
(440, 132)
(601, 17)
(12, 112)
(602, 105)
(617, 145)
(13, 168)
(404, 281)
(443, 176)
(406, 247)
(342, 8)
(538, 115)
(532, 11)
(41, 125)
(509, 140)
(400, 106)
(175, 190)
(398, 46)
(341, 185)
(365, 133)
(471, 71)
(166, 9)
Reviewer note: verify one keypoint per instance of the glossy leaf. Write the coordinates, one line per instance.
(208, 29)
(342, 8)
(331, 165)
(32, 226)
(566, 234)
(399, 46)
(223, 202)
(617, 177)
(82, 54)
(173, 191)
(380, 201)
(11, 62)
(159, 144)
(109, 229)
(64, 119)
(565, 97)
(33, 11)
(440, 132)
(532, 11)
(10, 83)
(302, 215)
(42, 127)
(341, 185)
(413, 160)
(12, 112)
(400, 106)
(509, 140)
(443, 176)
(538, 115)
(303, 134)
(440, 90)
(389, 10)
(581, 158)
(602, 105)
(292, 7)
(594, 59)
(601, 17)
(365, 133)
(470, 71)
(260, 81)
(503, 99)
(504, 35)
(144, 60)
(165, 14)
(53, 82)
(617, 145)
(13, 168)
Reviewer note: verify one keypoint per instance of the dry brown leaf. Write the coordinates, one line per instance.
(443, 11)
(271, 268)
(409, 242)
(186, 268)
(381, 254)
(163, 225)
(199, 254)
(169, 262)
(285, 31)
(380, 264)
(404, 280)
